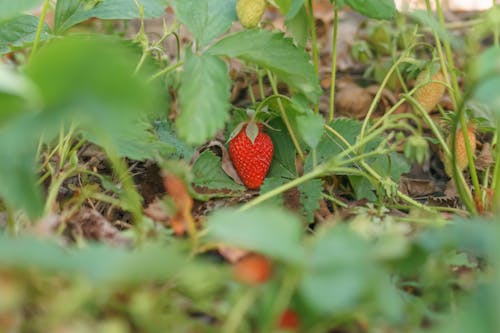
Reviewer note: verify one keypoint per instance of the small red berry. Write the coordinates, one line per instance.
(251, 152)
(289, 320)
(253, 269)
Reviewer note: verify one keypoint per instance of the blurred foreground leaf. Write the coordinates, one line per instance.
(10, 8)
(97, 262)
(267, 230)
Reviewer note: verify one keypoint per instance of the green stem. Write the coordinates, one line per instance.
(495, 182)
(261, 84)
(333, 68)
(238, 312)
(285, 118)
(166, 70)
(39, 28)
(314, 42)
(318, 171)
(377, 97)
(495, 29)
(54, 190)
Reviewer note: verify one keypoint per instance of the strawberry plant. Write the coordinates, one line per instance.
(248, 166)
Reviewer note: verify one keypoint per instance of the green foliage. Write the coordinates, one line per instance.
(486, 71)
(377, 9)
(289, 8)
(206, 19)
(71, 12)
(166, 133)
(274, 52)
(97, 262)
(9, 9)
(208, 175)
(310, 195)
(204, 97)
(343, 274)
(267, 230)
(19, 32)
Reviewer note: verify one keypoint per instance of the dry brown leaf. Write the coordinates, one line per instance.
(485, 158)
(417, 187)
(90, 224)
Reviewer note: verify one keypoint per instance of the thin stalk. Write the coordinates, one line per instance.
(495, 183)
(283, 297)
(318, 171)
(166, 70)
(54, 190)
(333, 69)
(458, 105)
(334, 200)
(39, 28)
(238, 312)
(285, 118)
(495, 29)
(314, 42)
(377, 97)
(261, 84)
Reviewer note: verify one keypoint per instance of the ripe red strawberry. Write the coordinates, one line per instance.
(251, 152)
(252, 269)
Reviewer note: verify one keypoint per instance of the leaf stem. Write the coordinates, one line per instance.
(314, 42)
(239, 310)
(285, 118)
(333, 69)
(39, 28)
(166, 70)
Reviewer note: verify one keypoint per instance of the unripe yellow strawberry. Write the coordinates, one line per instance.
(250, 12)
(429, 94)
(460, 150)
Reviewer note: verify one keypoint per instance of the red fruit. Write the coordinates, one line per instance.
(253, 269)
(251, 158)
(289, 320)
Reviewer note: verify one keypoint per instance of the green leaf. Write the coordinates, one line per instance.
(107, 102)
(11, 8)
(204, 98)
(267, 230)
(19, 32)
(377, 9)
(330, 146)
(486, 71)
(209, 176)
(206, 19)
(166, 133)
(298, 27)
(311, 127)
(426, 20)
(310, 195)
(136, 142)
(71, 12)
(270, 183)
(17, 94)
(283, 164)
(274, 52)
(18, 144)
(103, 100)
(98, 262)
(289, 8)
